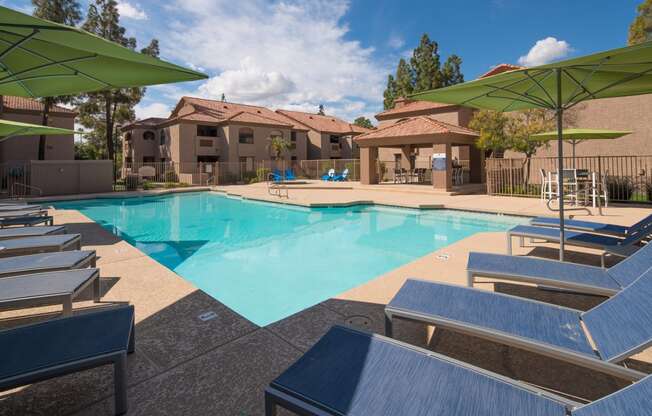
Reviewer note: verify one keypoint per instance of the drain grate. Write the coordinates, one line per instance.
(359, 321)
(207, 316)
(443, 256)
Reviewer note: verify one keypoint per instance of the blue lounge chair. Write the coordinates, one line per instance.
(42, 244)
(18, 232)
(593, 227)
(289, 175)
(353, 373)
(619, 327)
(47, 262)
(67, 345)
(552, 273)
(607, 244)
(342, 177)
(329, 175)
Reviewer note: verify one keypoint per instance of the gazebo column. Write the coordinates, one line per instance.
(443, 179)
(368, 159)
(406, 153)
(476, 162)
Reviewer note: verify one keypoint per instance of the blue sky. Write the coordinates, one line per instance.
(297, 54)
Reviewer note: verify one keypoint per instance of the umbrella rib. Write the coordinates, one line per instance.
(485, 94)
(9, 81)
(537, 82)
(513, 99)
(17, 44)
(36, 68)
(580, 86)
(531, 98)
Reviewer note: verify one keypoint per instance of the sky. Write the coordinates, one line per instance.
(297, 54)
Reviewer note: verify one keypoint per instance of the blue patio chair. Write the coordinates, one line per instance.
(593, 227)
(57, 347)
(277, 176)
(353, 373)
(619, 327)
(552, 273)
(329, 175)
(289, 175)
(342, 177)
(607, 244)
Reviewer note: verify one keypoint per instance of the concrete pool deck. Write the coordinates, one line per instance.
(184, 365)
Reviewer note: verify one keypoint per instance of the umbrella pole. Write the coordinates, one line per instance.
(560, 166)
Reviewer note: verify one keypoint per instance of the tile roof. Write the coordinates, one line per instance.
(411, 106)
(416, 126)
(147, 122)
(10, 102)
(499, 69)
(325, 123)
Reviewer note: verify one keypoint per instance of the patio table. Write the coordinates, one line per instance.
(50, 288)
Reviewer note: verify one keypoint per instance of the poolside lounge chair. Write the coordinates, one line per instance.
(289, 175)
(329, 175)
(277, 176)
(608, 245)
(593, 227)
(6, 233)
(619, 327)
(61, 346)
(49, 288)
(353, 373)
(4, 208)
(43, 244)
(342, 177)
(46, 262)
(552, 273)
(13, 213)
(27, 220)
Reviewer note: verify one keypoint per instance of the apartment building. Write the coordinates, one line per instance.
(23, 148)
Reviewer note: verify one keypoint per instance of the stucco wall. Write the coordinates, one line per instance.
(63, 177)
(60, 147)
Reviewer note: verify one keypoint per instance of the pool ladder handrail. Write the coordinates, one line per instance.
(276, 189)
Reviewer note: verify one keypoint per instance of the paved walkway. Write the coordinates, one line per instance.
(184, 365)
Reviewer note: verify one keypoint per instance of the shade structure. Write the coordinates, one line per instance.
(575, 136)
(558, 87)
(13, 128)
(39, 58)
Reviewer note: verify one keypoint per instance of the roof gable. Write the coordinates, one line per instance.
(416, 126)
(23, 104)
(323, 123)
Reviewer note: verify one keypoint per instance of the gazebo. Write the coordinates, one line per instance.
(421, 132)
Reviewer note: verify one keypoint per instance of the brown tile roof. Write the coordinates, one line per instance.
(325, 124)
(416, 126)
(27, 104)
(410, 107)
(147, 122)
(213, 111)
(499, 69)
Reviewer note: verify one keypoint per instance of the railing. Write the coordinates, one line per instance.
(148, 175)
(628, 178)
(13, 178)
(315, 169)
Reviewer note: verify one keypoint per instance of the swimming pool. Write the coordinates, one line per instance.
(267, 261)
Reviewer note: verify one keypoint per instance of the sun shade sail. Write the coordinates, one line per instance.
(14, 128)
(39, 58)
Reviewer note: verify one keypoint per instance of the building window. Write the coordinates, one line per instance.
(149, 135)
(293, 137)
(206, 131)
(335, 139)
(161, 140)
(246, 136)
(205, 143)
(294, 158)
(128, 136)
(148, 159)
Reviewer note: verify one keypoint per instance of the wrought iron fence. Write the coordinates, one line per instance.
(626, 178)
(149, 175)
(15, 180)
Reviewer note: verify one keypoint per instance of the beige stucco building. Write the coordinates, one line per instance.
(24, 148)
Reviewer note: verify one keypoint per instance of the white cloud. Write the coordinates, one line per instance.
(396, 41)
(152, 110)
(279, 54)
(545, 51)
(131, 11)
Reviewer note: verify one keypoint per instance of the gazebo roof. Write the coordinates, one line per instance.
(417, 130)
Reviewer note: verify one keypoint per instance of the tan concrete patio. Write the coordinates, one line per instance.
(184, 365)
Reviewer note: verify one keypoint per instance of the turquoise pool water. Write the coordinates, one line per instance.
(267, 261)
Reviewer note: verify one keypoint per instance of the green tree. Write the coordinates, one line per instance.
(104, 111)
(278, 146)
(451, 72)
(426, 66)
(66, 12)
(520, 128)
(404, 79)
(320, 110)
(641, 28)
(492, 128)
(363, 122)
(389, 95)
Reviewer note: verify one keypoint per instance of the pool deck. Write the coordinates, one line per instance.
(184, 365)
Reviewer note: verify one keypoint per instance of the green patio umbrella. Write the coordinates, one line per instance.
(576, 136)
(39, 58)
(14, 128)
(558, 87)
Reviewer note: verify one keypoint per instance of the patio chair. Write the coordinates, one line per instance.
(593, 227)
(619, 327)
(61, 346)
(289, 175)
(329, 175)
(43, 244)
(13, 213)
(26, 220)
(546, 185)
(16, 232)
(552, 273)
(342, 177)
(47, 262)
(48, 288)
(5, 208)
(400, 175)
(608, 245)
(354, 373)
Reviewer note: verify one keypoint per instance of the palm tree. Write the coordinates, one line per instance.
(277, 146)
